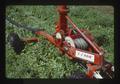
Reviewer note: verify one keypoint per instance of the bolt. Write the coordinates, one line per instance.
(66, 49)
(112, 68)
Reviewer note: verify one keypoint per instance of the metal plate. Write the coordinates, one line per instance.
(85, 56)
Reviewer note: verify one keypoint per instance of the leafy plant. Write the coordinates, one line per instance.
(43, 60)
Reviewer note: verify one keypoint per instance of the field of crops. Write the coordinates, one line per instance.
(43, 60)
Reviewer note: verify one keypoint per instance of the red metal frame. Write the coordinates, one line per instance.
(63, 46)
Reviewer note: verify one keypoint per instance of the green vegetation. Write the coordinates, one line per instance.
(43, 60)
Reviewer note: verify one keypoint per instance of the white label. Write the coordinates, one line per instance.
(84, 56)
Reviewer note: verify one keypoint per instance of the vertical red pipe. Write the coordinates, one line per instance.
(62, 25)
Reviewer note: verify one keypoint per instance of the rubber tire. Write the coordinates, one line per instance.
(15, 42)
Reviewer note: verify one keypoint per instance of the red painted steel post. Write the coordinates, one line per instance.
(62, 24)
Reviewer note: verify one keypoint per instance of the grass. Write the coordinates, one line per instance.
(39, 61)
